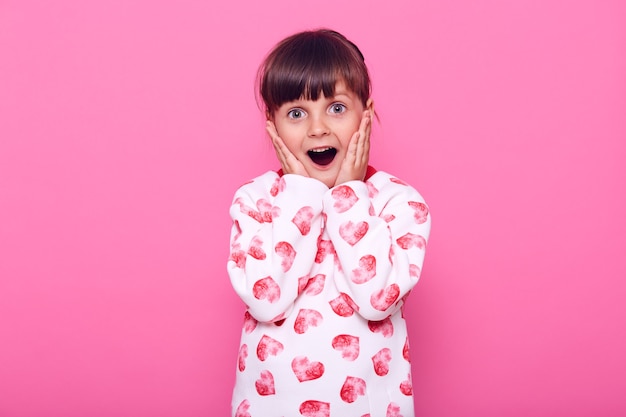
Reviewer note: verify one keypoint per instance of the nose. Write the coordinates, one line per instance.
(318, 127)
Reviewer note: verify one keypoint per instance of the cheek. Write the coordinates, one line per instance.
(290, 137)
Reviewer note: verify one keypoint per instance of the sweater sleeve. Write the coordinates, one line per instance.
(379, 230)
(276, 224)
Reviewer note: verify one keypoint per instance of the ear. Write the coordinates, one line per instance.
(369, 105)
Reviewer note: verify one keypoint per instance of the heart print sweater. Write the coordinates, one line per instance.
(324, 274)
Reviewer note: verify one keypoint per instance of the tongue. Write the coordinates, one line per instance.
(324, 157)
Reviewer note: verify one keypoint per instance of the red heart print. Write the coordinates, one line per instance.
(277, 186)
(345, 198)
(382, 299)
(312, 408)
(348, 345)
(388, 217)
(242, 409)
(255, 250)
(265, 384)
(266, 288)
(243, 355)
(247, 210)
(393, 410)
(414, 271)
(341, 307)
(405, 350)
(365, 271)
(381, 361)
(372, 191)
(410, 240)
(384, 327)
(352, 388)
(306, 318)
(302, 283)
(398, 181)
(268, 346)
(324, 247)
(238, 257)
(315, 285)
(421, 211)
(353, 232)
(406, 386)
(287, 252)
(306, 370)
(266, 210)
(249, 323)
(303, 219)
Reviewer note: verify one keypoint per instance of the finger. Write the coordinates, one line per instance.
(362, 150)
(277, 142)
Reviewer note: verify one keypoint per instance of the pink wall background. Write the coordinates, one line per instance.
(125, 127)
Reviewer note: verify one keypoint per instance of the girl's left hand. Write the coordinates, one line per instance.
(354, 165)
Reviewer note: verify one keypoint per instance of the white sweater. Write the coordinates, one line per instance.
(324, 274)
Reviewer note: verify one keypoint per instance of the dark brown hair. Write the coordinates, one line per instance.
(308, 64)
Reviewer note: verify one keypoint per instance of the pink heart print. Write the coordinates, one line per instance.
(238, 257)
(324, 247)
(341, 307)
(268, 346)
(278, 186)
(265, 384)
(353, 232)
(382, 299)
(381, 361)
(406, 386)
(398, 181)
(421, 211)
(384, 327)
(344, 197)
(306, 370)
(267, 211)
(388, 217)
(287, 252)
(315, 285)
(306, 318)
(393, 410)
(348, 345)
(414, 271)
(255, 250)
(410, 240)
(249, 323)
(352, 388)
(312, 408)
(303, 219)
(372, 191)
(264, 213)
(242, 409)
(266, 288)
(365, 271)
(405, 350)
(243, 355)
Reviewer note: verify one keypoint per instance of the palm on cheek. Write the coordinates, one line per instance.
(288, 162)
(354, 166)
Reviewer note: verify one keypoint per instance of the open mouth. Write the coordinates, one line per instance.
(322, 156)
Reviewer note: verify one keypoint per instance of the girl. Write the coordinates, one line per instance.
(324, 251)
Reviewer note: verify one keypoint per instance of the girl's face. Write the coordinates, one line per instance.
(318, 132)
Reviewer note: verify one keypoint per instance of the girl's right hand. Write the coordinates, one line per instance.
(288, 162)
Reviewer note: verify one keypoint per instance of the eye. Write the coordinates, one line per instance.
(295, 113)
(337, 108)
